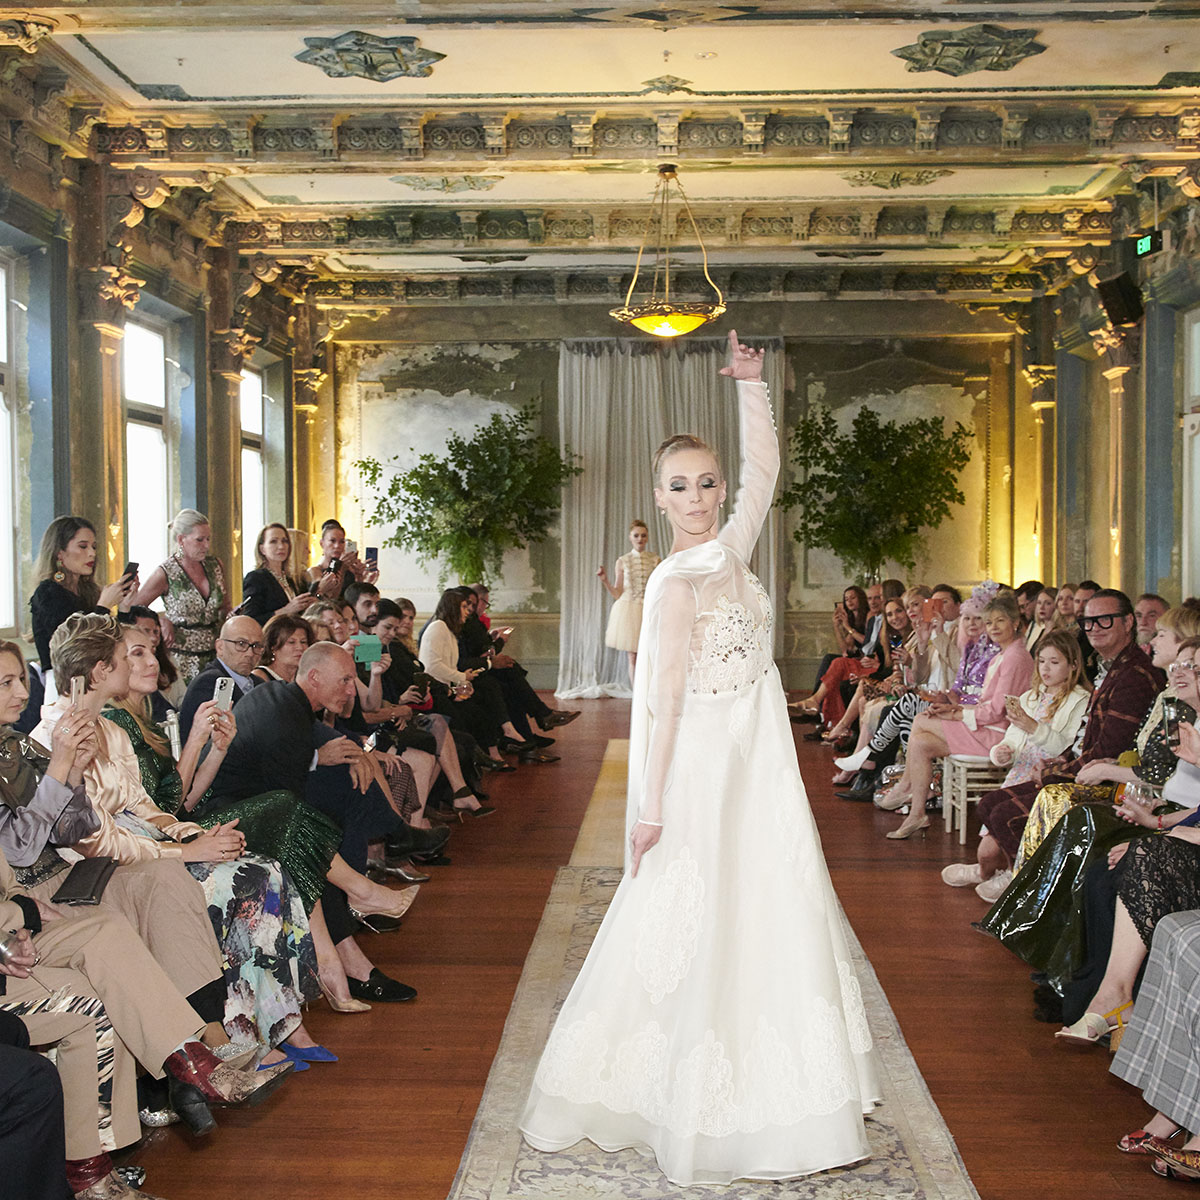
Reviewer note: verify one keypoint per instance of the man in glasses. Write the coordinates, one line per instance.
(1126, 685)
(239, 648)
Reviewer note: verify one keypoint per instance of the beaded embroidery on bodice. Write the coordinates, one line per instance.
(736, 647)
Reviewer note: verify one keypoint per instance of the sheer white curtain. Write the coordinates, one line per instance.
(618, 399)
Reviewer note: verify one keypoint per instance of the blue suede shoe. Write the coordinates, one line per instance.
(297, 1065)
(307, 1054)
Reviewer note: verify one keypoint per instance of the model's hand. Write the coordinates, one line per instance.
(744, 364)
(644, 837)
(602, 572)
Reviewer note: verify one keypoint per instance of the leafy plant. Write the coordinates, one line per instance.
(872, 494)
(494, 491)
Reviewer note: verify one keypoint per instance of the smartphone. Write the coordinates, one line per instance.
(78, 687)
(334, 563)
(506, 632)
(421, 680)
(223, 693)
(931, 609)
(351, 546)
(131, 569)
(371, 742)
(372, 554)
(1171, 716)
(369, 648)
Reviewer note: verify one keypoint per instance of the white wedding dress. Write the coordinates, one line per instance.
(717, 1022)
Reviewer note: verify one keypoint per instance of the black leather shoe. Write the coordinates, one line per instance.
(555, 718)
(537, 755)
(407, 840)
(509, 746)
(544, 742)
(499, 765)
(378, 987)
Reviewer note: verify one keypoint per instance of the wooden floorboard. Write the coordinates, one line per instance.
(1031, 1118)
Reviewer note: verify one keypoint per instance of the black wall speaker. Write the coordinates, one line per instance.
(1122, 299)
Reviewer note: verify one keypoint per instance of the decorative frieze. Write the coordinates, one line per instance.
(879, 132)
(969, 133)
(549, 139)
(711, 135)
(1145, 130)
(1058, 129)
(807, 133)
(25, 33)
(445, 138)
(616, 137)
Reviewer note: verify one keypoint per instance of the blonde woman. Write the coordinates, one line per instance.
(191, 584)
(628, 588)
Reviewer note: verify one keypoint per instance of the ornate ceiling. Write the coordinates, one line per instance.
(433, 150)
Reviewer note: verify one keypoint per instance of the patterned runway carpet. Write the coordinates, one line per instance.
(914, 1156)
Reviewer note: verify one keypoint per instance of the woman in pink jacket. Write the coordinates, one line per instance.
(948, 728)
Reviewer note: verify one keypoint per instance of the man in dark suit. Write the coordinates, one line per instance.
(280, 744)
(1126, 686)
(239, 647)
(32, 1138)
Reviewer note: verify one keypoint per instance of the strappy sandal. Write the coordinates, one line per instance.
(1175, 1163)
(1092, 1027)
(1141, 1142)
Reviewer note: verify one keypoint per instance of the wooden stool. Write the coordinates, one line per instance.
(966, 777)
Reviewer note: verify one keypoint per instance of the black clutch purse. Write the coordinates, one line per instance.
(86, 881)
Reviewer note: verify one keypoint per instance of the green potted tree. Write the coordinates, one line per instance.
(497, 490)
(871, 494)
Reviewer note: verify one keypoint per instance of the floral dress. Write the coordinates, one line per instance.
(257, 915)
(197, 621)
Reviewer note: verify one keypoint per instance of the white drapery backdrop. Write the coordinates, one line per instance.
(618, 400)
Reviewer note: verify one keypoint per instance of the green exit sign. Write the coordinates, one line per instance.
(1149, 243)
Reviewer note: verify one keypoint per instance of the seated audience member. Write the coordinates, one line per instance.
(364, 599)
(1042, 724)
(1064, 606)
(269, 589)
(282, 746)
(285, 639)
(191, 585)
(811, 706)
(1083, 593)
(171, 689)
(238, 648)
(66, 567)
(1154, 877)
(1147, 609)
(1042, 916)
(872, 696)
(876, 662)
(258, 918)
(439, 654)
(1124, 691)
(961, 643)
(1160, 1052)
(32, 1138)
(472, 645)
(123, 1011)
(1044, 614)
(967, 728)
(43, 804)
(1027, 594)
(422, 730)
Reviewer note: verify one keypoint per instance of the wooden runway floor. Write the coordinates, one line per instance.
(1031, 1118)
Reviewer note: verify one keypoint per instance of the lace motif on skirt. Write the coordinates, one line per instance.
(707, 1094)
(670, 932)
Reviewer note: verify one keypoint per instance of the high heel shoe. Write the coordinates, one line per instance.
(402, 904)
(910, 825)
(1092, 1026)
(343, 1006)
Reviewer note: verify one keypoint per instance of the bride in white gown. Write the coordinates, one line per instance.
(717, 1022)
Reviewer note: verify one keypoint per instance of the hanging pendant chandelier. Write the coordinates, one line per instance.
(661, 314)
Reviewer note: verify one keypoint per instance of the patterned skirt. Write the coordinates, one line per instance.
(267, 950)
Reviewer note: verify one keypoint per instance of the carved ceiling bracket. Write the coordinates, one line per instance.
(26, 32)
(1118, 346)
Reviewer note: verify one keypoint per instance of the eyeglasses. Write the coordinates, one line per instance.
(1104, 621)
(242, 644)
(1185, 664)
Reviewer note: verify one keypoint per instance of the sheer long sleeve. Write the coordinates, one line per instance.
(670, 619)
(760, 470)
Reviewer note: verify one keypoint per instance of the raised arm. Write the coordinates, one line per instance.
(760, 450)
